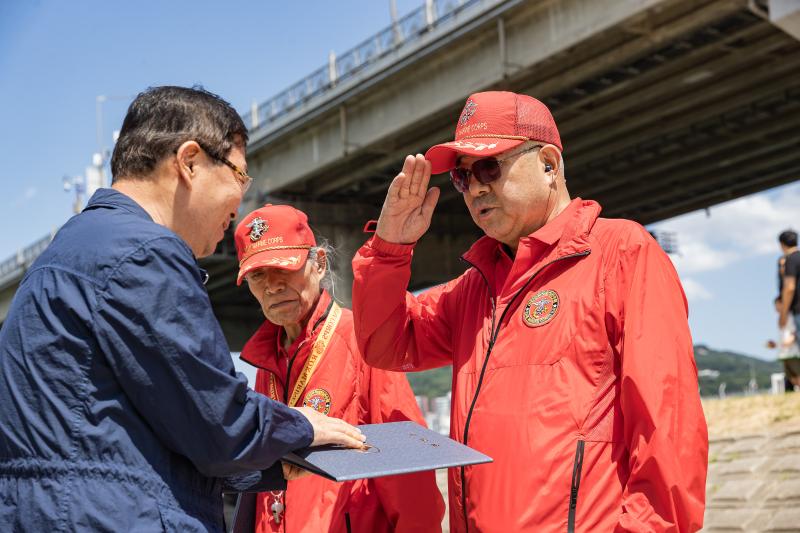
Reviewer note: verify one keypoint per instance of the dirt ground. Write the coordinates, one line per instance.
(749, 415)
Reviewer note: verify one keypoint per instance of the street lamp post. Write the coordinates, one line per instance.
(75, 183)
(85, 186)
(101, 146)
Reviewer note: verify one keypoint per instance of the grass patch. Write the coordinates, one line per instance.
(749, 415)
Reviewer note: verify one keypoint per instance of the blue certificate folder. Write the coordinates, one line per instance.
(395, 448)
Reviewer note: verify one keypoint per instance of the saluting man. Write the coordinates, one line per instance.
(568, 335)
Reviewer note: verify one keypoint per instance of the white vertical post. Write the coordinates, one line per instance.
(99, 101)
(254, 114)
(398, 37)
(778, 383)
(343, 128)
(430, 13)
(332, 67)
(501, 37)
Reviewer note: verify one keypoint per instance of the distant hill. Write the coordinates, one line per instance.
(431, 383)
(733, 369)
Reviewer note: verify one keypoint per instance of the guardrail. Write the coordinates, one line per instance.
(15, 265)
(409, 29)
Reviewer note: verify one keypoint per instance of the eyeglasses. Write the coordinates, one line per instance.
(242, 178)
(486, 170)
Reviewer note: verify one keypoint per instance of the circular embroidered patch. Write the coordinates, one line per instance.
(541, 308)
(318, 400)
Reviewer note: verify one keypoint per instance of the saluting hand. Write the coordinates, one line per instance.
(408, 208)
(329, 430)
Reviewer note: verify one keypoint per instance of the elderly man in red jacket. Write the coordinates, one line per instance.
(306, 354)
(572, 357)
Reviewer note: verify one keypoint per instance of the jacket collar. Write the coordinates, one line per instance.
(112, 198)
(564, 235)
(261, 349)
(115, 199)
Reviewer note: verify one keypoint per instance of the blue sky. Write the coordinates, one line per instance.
(728, 266)
(56, 57)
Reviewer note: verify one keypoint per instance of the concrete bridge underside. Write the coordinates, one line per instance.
(664, 107)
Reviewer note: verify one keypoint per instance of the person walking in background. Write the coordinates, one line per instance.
(788, 306)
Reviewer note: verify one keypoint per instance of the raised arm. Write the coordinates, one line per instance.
(395, 329)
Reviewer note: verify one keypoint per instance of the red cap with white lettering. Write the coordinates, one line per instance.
(276, 236)
(494, 122)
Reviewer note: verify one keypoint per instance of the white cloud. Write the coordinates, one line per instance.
(694, 290)
(698, 256)
(26, 196)
(733, 231)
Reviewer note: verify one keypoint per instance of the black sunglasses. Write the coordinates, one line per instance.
(486, 170)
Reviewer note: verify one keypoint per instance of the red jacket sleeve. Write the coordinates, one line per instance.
(412, 502)
(396, 330)
(664, 426)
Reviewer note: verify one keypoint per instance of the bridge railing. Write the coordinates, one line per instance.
(408, 29)
(15, 265)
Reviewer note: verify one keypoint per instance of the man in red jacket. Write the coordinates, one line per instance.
(572, 357)
(306, 354)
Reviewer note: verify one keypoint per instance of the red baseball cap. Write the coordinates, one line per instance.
(493, 122)
(273, 236)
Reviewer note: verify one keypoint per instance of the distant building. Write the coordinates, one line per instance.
(436, 412)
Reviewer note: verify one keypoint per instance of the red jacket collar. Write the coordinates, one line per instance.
(261, 349)
(564, 235)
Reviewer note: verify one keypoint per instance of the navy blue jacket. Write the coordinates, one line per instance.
(120, 409)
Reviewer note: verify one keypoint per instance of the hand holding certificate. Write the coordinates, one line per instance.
(391, 448)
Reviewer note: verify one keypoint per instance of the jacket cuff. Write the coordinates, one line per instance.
(390, 248)
(308, 438)
(302, 432)
(258, 481)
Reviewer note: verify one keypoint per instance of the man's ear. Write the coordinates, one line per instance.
(551, 161)
(322, 262)
(187, 158)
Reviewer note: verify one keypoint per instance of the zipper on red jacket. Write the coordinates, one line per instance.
(286, 387)
(577, 467)
(289, 372)
(492, 339)
(297, 350)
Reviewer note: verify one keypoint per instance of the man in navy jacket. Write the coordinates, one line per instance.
(120, 409)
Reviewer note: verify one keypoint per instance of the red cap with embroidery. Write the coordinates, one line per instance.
(494, 122)
(275, 236)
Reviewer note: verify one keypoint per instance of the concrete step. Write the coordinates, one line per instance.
(754, 484)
